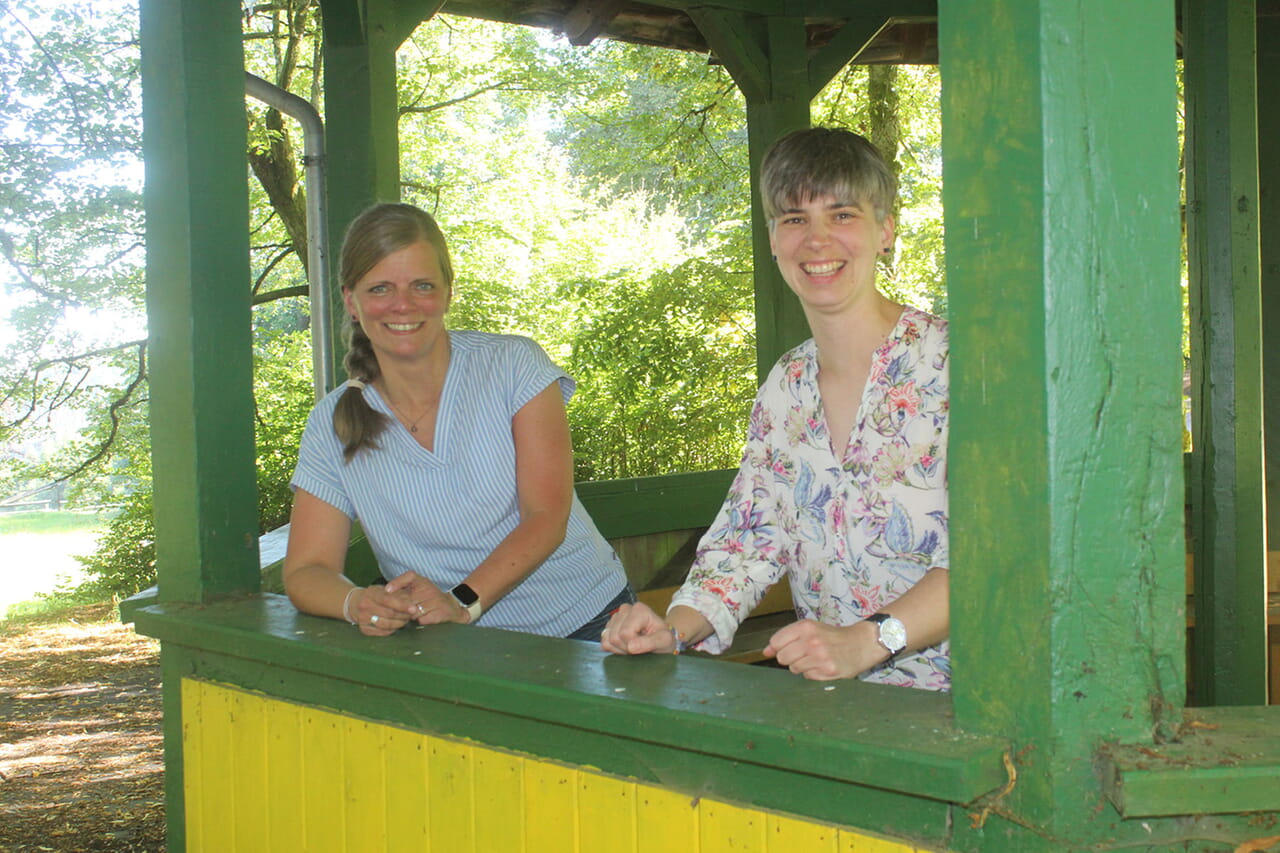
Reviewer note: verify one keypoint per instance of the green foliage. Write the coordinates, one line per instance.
(666, 373)
(663, 123)
(125, 561)
(70, 207)
(283, 395)
(595, 199)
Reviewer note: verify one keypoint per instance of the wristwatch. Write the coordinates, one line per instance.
(467, 597)
(893, 634)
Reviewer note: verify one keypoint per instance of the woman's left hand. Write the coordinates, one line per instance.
(826, 652)
(429, 604)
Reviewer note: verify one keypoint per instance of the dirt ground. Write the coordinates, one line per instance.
(81, 766)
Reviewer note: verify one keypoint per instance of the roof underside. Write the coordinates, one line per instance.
(911, 41)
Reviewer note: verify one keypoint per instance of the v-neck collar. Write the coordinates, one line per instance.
(397, 439)
(879, 358)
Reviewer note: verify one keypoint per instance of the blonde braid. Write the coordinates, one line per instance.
(357, 423)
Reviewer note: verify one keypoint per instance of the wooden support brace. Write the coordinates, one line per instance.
(587, 19)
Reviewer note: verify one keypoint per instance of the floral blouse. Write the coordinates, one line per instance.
(852, 535)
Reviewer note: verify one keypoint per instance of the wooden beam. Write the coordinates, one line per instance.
(1268, 41)
(1068, 563)
(198, 300)
(737, 48)
(587, 19)
(1223, 256)
(1224, 761)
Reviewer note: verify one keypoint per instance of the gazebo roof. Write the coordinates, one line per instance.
(906, 39)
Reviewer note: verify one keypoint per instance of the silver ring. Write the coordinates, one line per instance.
(373, 620)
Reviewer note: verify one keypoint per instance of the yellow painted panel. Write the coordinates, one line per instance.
(365, 786)
(730, 829)
(606, 813)
(853, 842)
(218, 799)
(247, 734)
(265, 774)
(666, 821)
(286, 815)
(449, 786)
(404, 762)
(323, 788)
(498, 793)
(550, 807)
(791, 835)
(192, 763)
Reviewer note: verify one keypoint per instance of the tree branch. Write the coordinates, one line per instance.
(505, 85)
(113, 412)
(282, 293)
(271, 264)
(63, 298)
(70, 362)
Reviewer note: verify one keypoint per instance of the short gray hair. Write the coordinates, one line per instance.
(820, 161)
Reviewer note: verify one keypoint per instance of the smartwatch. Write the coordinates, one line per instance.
(893, 634)
(467, 597)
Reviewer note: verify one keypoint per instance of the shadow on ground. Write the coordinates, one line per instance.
(81, 766)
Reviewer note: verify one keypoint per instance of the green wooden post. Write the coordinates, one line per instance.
(362, 114)
(1229, 642)
(201, 367)
(1061, 202)
(361, 124)
(766, 57)
(1269, 240)
(769, 60)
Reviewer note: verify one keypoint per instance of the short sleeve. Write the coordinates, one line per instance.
(531, 371)
(319, 459)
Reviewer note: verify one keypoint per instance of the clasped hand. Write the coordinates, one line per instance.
(382, 610)
(822, 652)
(817, 651)
(634, 629)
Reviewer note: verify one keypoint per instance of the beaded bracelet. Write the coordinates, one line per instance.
(679, 638)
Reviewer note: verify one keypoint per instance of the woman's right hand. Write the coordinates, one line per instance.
(634, 629)
(377, 612)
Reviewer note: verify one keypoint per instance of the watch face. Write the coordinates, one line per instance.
(893, 635)
(466, 595)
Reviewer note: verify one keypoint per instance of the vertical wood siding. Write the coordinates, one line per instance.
(262, 774)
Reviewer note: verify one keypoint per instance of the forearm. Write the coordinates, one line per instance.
(820, 651)
(925, 611)
(690, 624)
(318, 590)
(517, 556)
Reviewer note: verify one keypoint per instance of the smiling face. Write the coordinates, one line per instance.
(826, 250)
(401, 301)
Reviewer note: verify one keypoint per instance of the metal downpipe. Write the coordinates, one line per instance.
(313, 160)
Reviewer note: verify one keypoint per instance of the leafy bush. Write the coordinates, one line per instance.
(125, 561)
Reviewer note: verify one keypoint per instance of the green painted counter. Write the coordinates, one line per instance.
(750, 733)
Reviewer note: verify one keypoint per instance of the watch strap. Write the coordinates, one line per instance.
(469, 599)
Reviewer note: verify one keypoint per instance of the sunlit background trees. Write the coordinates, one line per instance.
(595, 199)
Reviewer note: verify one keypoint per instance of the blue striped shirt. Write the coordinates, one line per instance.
(440, 513)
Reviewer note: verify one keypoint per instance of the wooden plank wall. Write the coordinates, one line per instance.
(263, 774)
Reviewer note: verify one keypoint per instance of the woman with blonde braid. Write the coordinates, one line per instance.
(452, 449)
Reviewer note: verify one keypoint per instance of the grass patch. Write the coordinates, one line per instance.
(61, 604)
(51, 522)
